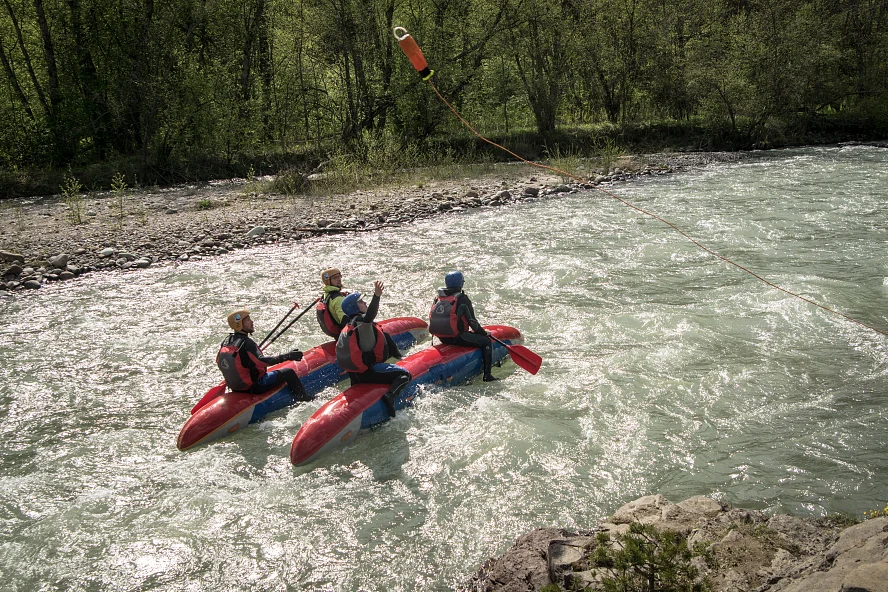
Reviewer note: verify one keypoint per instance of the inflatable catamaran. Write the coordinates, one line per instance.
(354, 411)
(229, 412)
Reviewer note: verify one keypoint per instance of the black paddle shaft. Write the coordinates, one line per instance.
(290, 324)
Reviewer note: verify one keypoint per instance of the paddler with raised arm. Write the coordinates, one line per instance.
(244, 366)
(329, 309)
(363, 348)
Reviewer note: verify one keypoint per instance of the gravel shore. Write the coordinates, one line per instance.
(39, 243)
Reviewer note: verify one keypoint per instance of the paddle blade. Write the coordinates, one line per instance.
(209, 396)
(525, 358)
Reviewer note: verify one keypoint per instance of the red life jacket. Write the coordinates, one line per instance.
(443, 320)
(238, 368)
(325, 319)
(351, 357)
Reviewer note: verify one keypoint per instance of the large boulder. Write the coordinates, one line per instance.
(753, 551)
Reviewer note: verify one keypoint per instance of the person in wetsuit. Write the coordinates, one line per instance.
(363, 348)
(329, 309)
(452, 317)
(244, 366)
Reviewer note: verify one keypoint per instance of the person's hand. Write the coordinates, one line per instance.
(378, 288)
(294, 356)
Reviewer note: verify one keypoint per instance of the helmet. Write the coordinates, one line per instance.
(350, 304)
(329, 273)
(236, 319)
(454, 279)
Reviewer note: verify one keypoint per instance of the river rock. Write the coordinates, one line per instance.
(531, 191)
(59, 261)
(523, 568)
(66, 275)
(471, 194)
(107, 252)
(80, 251)
(10, 257)
(13, 270)
(256, 231)
(142, 263)
(32, 284)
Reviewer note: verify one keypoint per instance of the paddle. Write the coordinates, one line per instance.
(522, 356)
(270, 333)
(290, 324)
(219, 389)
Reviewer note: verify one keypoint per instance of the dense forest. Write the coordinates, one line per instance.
(174, 85)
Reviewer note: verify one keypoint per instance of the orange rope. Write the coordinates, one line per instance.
(654, 216)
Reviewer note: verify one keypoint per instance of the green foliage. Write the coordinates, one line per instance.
(74, 199)
(181, 92)
(206, 204)
(647, 560)
(118, 190)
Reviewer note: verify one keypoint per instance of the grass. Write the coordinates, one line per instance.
(18, 214)
(567, 160)
(376, 159)
(378, 162)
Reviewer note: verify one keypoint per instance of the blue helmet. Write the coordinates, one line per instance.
(350, 304)
(454, 279)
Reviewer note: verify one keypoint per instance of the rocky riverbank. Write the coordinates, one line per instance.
(750, 551)
(39, 243)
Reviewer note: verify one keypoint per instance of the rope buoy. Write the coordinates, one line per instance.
(412, 51)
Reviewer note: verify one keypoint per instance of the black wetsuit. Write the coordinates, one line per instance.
(248, 351)
(477, 337)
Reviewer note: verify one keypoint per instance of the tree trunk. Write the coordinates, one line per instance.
(13, 81)
(62, 151)
(27, 57)
(96, 106)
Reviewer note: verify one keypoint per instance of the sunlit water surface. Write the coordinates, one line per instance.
(666, 371)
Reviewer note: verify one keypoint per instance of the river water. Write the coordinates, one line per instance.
(666, 371)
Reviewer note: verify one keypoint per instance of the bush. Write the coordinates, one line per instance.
(648, 560)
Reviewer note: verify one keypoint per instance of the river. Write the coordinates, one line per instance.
(665, 370)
